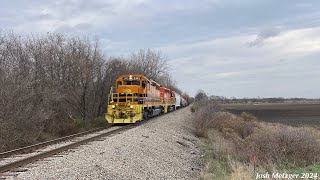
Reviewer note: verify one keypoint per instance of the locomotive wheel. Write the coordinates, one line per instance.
(145, 114)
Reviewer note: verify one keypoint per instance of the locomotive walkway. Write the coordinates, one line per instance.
(163, 148)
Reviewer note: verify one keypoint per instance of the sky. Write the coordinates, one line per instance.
(240, 48)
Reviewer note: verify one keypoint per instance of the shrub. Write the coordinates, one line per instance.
(227, 131)
(99, 122)
(61, 127)
(225, 120)
(209, 115)
(275, 145)
(80, 124)
(201, 131)
(245, 129)
(286, 146)
(192, 109)
(248, 117)
(204, 116)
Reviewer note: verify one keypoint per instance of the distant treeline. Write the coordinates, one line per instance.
(223, 99)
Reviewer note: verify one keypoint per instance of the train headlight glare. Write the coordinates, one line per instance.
(113, 106)
(131, 107)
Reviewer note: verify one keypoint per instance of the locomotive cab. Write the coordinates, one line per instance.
(131, 86)
(125, 104)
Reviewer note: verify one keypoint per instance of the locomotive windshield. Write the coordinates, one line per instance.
(134, 82)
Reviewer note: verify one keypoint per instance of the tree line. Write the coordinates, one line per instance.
(225, 100)
(53, 85)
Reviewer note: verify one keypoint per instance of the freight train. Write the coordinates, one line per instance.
(137, 98)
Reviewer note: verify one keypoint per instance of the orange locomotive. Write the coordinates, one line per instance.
(137, 98)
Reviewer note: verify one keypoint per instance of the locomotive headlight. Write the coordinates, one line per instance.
(113, 106)
(131, 107)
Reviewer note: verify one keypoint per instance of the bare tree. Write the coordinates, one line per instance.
(201, 96)
(52, 85)
(150, 63)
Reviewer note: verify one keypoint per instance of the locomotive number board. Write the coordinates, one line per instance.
(132, 79)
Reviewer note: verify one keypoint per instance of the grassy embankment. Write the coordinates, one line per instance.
(230, 141)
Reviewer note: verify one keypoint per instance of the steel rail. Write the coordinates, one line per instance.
(49, 153)
(46, 143)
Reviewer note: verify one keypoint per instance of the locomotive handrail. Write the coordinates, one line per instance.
(116, 97)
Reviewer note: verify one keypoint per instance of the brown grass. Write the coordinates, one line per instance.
(286, 146)
(211, 117)
(276, 146)
(218, 162)
(205, 116)
(248, 117)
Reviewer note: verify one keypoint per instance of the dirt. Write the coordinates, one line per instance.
(291, 114)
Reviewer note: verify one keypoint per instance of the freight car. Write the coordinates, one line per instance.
(136, 98)
(184, 102)
(180, 101)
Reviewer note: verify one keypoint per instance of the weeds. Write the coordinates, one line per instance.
(248, 117)
(218, 162)
(276, 146)
(245, 129)
(287, 146)
(205, 116)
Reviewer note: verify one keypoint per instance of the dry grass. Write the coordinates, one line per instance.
(240, 171)
(238, 138)
(219, 162)
(211, 117)
(286, 146)
(205, 116)
(248, 117)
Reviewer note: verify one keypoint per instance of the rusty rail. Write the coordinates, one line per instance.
(43, 144)
(42, 155)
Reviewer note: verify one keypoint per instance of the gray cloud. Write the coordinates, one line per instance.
(81, 27)
(263, 35)
(228, 68)
(210, 42)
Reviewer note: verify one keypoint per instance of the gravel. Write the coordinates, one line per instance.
(13, 158)
(163, 148)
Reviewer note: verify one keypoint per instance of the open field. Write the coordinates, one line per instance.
(291, 114)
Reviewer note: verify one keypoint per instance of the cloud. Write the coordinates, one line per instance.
(81, 27)
(263, 35)
(242, 48)
(227, 66)
(67, 14)
(227, 74)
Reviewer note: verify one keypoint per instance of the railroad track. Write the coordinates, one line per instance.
(97, 134)
(31, 148)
